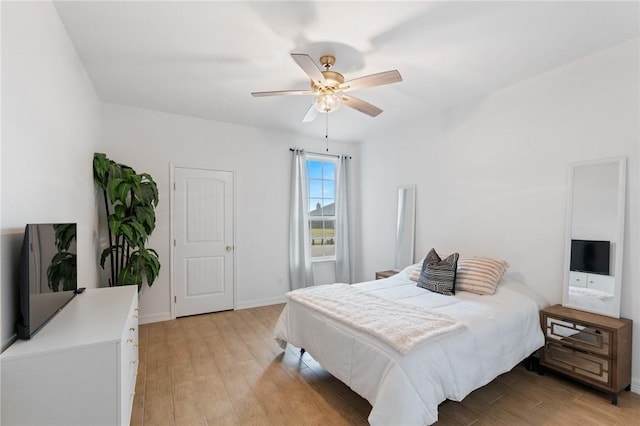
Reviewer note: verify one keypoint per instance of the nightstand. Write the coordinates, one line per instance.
(590, 348)
(385, 274)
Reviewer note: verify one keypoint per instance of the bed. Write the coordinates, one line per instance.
(406, 387)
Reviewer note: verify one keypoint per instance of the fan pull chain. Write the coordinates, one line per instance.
(326, 130)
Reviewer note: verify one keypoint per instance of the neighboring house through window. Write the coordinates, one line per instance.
(321, 190)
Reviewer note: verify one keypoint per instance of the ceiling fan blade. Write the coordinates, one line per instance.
(371, 80)
(282, 93)
(307, 64)
(360, 105)
(310, 115)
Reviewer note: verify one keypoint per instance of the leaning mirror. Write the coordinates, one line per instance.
(595, 234)
(405, 227)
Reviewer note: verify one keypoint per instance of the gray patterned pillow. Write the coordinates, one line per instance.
(439, 275)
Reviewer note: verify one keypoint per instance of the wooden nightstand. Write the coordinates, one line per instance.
(591, 348)
(385, 274)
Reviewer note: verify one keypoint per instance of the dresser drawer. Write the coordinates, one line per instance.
(582, 337)
(592, 368)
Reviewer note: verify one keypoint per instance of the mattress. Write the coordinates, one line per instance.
(499, 332)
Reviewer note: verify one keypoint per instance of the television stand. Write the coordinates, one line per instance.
(80, 368)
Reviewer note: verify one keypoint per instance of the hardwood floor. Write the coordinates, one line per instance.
(226, 369)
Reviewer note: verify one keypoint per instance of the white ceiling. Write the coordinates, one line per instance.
(203, 59)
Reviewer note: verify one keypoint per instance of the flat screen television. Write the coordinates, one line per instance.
(590, 256)
(48, 274)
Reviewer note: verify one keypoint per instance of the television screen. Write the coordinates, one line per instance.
(48, 274)
(590, 256)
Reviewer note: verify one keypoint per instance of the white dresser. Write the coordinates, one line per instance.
(80, 368)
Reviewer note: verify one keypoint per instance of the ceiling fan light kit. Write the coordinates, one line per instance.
(328, 86)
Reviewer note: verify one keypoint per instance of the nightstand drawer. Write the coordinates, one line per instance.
(581, 337)
(385, 274)
(592, 368)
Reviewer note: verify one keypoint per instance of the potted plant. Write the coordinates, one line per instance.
(130, 200)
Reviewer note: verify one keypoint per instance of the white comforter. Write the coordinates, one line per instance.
(501, 330)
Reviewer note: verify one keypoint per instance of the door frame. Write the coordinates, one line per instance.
(172, 205)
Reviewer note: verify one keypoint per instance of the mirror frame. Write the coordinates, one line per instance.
(405, 232)
(620, 225)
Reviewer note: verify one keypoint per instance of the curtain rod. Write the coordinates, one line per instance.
(319, 153)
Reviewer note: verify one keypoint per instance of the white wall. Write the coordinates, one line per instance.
(492, 175)
(50, 128)
(149, 141)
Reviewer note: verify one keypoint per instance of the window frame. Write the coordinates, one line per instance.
(334, 161)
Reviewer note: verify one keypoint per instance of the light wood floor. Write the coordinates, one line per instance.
(225, 369)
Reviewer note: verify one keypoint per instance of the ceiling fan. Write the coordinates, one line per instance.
(328, 87)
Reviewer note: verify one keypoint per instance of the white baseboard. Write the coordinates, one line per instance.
(10, 341)
(635, 385)
(260, 302)
(148, 319)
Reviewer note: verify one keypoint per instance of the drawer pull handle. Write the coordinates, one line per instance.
(137, 309)
(136, 345)
(129, 340)
(132, 329)
(133, 361)
(135, 316)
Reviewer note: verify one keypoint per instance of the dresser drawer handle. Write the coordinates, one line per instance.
(132, 329)
(136, 345)
(133, 361)
(129, 340)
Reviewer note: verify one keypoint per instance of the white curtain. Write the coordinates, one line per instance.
(300, 269)
(343, 260)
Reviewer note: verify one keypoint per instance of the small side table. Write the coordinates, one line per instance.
(385, 274)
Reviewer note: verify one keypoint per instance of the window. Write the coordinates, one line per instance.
(321, 190)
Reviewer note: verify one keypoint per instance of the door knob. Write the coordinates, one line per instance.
(229, 248)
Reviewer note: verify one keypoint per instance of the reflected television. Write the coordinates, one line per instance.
(590, 256)
(48, 274)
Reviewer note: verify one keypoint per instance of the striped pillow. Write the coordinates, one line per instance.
(479, 275)
(439, 275)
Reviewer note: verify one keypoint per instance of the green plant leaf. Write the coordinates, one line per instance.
(115, 249)
(133, 198)
(119, 189)
(101, 165)
(115, 223)
(120, 210)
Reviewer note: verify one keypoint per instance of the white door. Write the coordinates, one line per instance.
(203, 240)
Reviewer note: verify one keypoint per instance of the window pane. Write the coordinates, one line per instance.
(316, 247)
(315, 207)
(330, 229)
(314, 169)
(316, 230)
(315, 188)
(329, 208)
(329, 171)
(329, 247)
(329, 189)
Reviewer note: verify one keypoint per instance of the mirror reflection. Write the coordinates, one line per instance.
(595, 224)
(405, 228)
